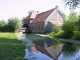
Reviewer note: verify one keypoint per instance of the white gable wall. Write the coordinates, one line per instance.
(55, 17)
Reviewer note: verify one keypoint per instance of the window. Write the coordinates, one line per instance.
(32, 27)
(42, 27)
(39, 27)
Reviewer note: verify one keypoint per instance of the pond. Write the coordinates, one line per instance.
(56, 49)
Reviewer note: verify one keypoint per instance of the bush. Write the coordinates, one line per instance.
(2, 25)
(59, 35)
(62, 35)
(56, 28)
(76, 35)
(12, 25)
(51, 34)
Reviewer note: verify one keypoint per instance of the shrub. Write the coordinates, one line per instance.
(51, 34)
(62, 35)
(59, 34)
(14, 24)
(2, 25)
(56, 28)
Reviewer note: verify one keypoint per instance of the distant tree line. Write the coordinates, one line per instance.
(12, 25)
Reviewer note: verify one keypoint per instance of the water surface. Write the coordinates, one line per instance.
(61, 50)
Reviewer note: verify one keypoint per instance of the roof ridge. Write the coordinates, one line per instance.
(47, 10)
(43, 15)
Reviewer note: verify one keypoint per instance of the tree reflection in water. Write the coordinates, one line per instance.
(70, 49)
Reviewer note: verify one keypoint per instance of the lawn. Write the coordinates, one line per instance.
(10, 47)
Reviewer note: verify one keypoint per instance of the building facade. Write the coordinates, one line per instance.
(43, 22)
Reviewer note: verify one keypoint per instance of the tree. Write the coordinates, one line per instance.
(70, 25)
(73, 17)
(2, 25)
(78, 24)
(14, 24)
(72, 3)
(29, 12)
(56, 28)
(64, 17)
(22, 20)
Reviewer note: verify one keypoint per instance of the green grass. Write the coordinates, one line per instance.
(10, 47)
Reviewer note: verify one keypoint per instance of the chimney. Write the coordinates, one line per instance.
(37, 11)
(57, 7)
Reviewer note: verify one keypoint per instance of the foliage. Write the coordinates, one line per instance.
(76, 35)
(71, 28)
(70, 25)
(2, 25)
(54, 31)
(64, 17)
(59, 35)
(51, 34)
(72, 3)
(78, 24)
(29, 12)
(62, 35)
(73, 17)
(68, 28)
(23, 20)
(56, 28)
(14, 24)
(10, 47)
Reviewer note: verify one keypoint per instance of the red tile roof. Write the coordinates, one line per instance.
(28, 17)
(42, 16)
(32, 15)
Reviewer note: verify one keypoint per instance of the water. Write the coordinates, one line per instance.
(57, 49)
(36, 56)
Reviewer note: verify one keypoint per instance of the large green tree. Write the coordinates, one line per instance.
(14, 24)
(73, 17)
(78, 23)
(70, 25)
(72, 3)
(2, 25)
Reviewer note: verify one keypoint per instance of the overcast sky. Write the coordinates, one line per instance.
(20, 8)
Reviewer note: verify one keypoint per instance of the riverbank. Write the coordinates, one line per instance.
(41, 36)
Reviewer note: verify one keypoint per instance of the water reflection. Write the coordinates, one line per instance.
(57, 49)
(70, 49)
(40, 39)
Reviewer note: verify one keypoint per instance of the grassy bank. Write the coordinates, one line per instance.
(10, 47)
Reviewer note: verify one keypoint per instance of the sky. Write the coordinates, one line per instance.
(20, 8)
